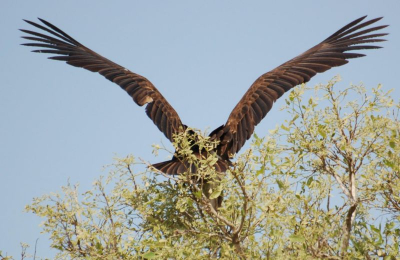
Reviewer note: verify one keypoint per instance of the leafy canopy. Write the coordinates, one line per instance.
(323, 185)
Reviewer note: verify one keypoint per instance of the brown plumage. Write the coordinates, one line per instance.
(251, 109)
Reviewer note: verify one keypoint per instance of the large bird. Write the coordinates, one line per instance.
(334, 51)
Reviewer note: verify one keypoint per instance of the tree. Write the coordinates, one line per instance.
(323, 185)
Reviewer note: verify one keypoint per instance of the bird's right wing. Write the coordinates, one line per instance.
(259, 98)
(138, 87)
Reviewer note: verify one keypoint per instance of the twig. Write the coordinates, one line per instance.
(34, 254)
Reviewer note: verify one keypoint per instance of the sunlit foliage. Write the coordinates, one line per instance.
(323, 185)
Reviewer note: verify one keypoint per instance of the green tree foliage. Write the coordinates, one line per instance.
(323, 185)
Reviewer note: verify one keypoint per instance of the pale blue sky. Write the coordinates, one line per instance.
(60, 122)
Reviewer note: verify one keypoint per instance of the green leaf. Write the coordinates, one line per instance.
(285, 128)
(309, 181)
(99, 248)
(197, 194)
(280, 184)
(149, 255)
(215, 194)
(261, 170)
(321, 131)
(389, 226)
(296, 238)
(392, 144)
(376, 230)
(388, 163)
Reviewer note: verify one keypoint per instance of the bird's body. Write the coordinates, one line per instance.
(178, 164)
(251, 109)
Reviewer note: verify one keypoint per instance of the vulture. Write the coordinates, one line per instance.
(334, 51)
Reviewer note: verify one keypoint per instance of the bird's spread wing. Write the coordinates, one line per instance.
(138, 87)
(258, 100)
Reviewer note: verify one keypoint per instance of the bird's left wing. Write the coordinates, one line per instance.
(138, 87)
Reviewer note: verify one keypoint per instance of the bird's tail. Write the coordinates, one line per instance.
(176, 166)
(173, 167)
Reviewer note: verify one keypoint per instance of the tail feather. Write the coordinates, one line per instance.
(172, 167)
(175, 166)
